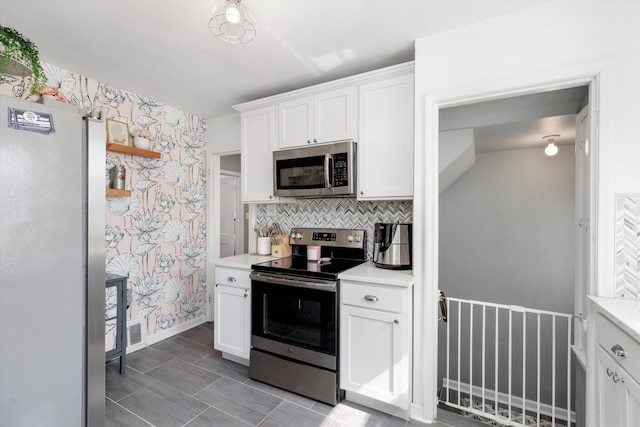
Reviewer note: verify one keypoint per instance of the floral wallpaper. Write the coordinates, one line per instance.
(156, 237)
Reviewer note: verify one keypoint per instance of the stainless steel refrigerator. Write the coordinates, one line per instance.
(52, 258)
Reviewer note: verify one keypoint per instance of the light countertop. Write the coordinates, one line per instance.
(368, 272)
(624, 312)
(243, 261)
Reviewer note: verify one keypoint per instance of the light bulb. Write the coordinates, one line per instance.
(232, 14)
(551, 150)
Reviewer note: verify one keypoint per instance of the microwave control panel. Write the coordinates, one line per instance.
(340, 170)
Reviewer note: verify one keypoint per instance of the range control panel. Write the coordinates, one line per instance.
(323, 237)
(329, 237)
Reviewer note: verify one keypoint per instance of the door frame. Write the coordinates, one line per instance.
(213, 224)
(598, 76)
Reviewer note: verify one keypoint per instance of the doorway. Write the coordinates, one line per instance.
(231, 213)
(508, 227)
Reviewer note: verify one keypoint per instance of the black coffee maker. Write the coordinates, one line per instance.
(392, 246)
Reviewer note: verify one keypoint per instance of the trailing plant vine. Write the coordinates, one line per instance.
(15, 47)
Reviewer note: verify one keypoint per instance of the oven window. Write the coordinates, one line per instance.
(293, 319)
(293, 315)
(306, 172)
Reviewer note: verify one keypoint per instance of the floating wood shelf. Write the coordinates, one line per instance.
(125, 149)
(113, 192)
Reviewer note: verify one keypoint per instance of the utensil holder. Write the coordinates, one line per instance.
(264, 246)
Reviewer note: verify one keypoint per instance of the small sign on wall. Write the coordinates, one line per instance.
(30, 121)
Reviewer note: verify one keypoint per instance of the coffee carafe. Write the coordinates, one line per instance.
(392, 246)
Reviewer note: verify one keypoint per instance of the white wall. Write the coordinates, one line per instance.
(231, 163)
(507, 230)
(542, 45)
(223, 134)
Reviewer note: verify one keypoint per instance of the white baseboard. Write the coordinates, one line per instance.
(168, 333)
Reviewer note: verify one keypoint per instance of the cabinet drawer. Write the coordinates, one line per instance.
(232, 277)
(382, 298)
(609, 336)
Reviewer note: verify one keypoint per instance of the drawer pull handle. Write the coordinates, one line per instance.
(619, 351)
(231, 279)
(371, 298)
(617, 378)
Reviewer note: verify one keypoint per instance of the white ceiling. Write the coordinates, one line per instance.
(163, 49)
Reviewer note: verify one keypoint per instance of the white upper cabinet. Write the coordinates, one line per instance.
(257, 139)
(385, 145)
(323, 117)
(375, 109)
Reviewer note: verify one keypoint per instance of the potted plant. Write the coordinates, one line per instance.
(142, 138)
(19, 56)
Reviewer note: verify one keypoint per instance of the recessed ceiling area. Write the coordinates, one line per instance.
(519, 122)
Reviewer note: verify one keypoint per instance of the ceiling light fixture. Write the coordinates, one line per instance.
(551, 149)
(231, 22)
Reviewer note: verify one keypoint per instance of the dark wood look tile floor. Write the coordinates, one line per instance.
(183, 381)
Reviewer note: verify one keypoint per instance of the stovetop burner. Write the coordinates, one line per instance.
(299, 266)
(344, 248)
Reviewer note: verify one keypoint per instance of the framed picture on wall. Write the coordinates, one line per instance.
(117, 132)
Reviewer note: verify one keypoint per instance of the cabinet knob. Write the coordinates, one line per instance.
(246, 293)
(371, 298)
(619, 351)
(396, 321)
(231, 279)
(270, 196)
(308, 141)
(361, 193)
(315, 140)
(609, 372)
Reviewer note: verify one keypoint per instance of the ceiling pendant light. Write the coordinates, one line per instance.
(552, 148)
(231, 22)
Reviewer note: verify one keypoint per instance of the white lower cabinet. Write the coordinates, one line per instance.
(375, 344)
(617, 365)
(232, 313)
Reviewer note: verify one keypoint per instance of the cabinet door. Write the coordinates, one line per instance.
(334, 115)
(258, 139)
(385, 146)
(295, 122)
(631, 402)
(609, 392)
(374, 358)
(232, 324)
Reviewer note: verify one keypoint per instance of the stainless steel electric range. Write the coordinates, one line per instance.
(295, 312)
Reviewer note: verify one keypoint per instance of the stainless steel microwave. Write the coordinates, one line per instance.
(327, 170)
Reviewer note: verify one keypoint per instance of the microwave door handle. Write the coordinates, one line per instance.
(328, 171)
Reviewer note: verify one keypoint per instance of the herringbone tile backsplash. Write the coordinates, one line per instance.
(628, 245)
(336, 213)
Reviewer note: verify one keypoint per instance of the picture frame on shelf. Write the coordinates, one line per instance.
(118, 132)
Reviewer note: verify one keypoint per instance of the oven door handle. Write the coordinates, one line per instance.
(322, 285)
